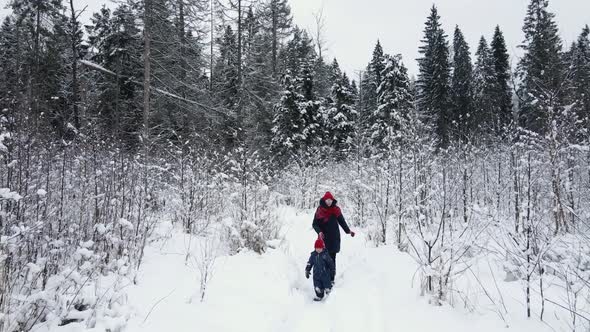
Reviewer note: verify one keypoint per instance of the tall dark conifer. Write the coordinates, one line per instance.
(579, 64)
(541, 68)
(461, 87)
(372, 79)
(395, 103)
(116, 44)
(484, 80)
(502, 90)
(434, 78)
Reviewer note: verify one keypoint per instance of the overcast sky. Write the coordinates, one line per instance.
(353, 26)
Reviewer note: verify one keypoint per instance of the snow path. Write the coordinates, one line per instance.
(250, 292)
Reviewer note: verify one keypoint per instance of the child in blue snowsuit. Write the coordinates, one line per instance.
(323, 269)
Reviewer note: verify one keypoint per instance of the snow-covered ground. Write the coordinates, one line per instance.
(375, 290)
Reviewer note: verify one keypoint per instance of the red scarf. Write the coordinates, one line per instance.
(324, 213)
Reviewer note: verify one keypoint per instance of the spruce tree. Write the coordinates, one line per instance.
(372, 80)
(260, 87)
(13, 106)
(226, 88)
(580, 77)
(10, 85)
(287, 121)
(322, 75)
(484, 81)
(334, 72)
(461, 87)
(339, 115)
(115, 39)
(35, 20)
(502, 90)
(278, 20)
(433, 82)
(296, 116)
(540, 69)
(298, 53)
(54, 91)
(395, 103)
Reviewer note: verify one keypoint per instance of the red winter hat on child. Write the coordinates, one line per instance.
(319, 243)
(328, 195)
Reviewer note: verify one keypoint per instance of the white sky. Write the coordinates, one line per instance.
(353, 26)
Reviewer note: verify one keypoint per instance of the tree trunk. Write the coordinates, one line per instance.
(528, 205)
(528, 239)
(465, 198)
(516, 191)
(528, 272)
(212, 27)
(74, 45)
(35, 81)
(239, 64)
(499, 189)
(183, 46)
(400, 206)
(274, 14)
(147, 20)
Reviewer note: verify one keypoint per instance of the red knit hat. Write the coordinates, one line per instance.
(319, 243)
(328, 195)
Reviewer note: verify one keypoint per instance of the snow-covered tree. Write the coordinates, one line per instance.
(484, 81)
(433, 82)
(338, 116)
(579, 64)
(394, 105)
(114, 38)
(541, 69)
(462, 88)
(371, 81)
(502, 90)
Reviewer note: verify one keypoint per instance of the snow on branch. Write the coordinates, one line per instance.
(97, 67)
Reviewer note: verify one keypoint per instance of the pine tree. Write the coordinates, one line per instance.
(323, 81)
(540, 69)
(287, 121)
(339, 115)
(461, 87)
(395, 103)
(167, 65)
(334, 72)
(55, 87)
(295, 124)
(484, 86)
(309, 107)
(226, 87)
(434, 78)
(10, 85)
(114, 37)
(298, 53)
(503, 92)
(259, 85)
(580, 77)
(372, 80)
(278, 21)
(76, 52)
(35, 20)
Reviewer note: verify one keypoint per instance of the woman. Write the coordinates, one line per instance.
(325, 222)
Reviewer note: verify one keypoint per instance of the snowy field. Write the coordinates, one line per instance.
(376, 290)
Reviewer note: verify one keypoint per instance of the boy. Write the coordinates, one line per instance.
(323, 270)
